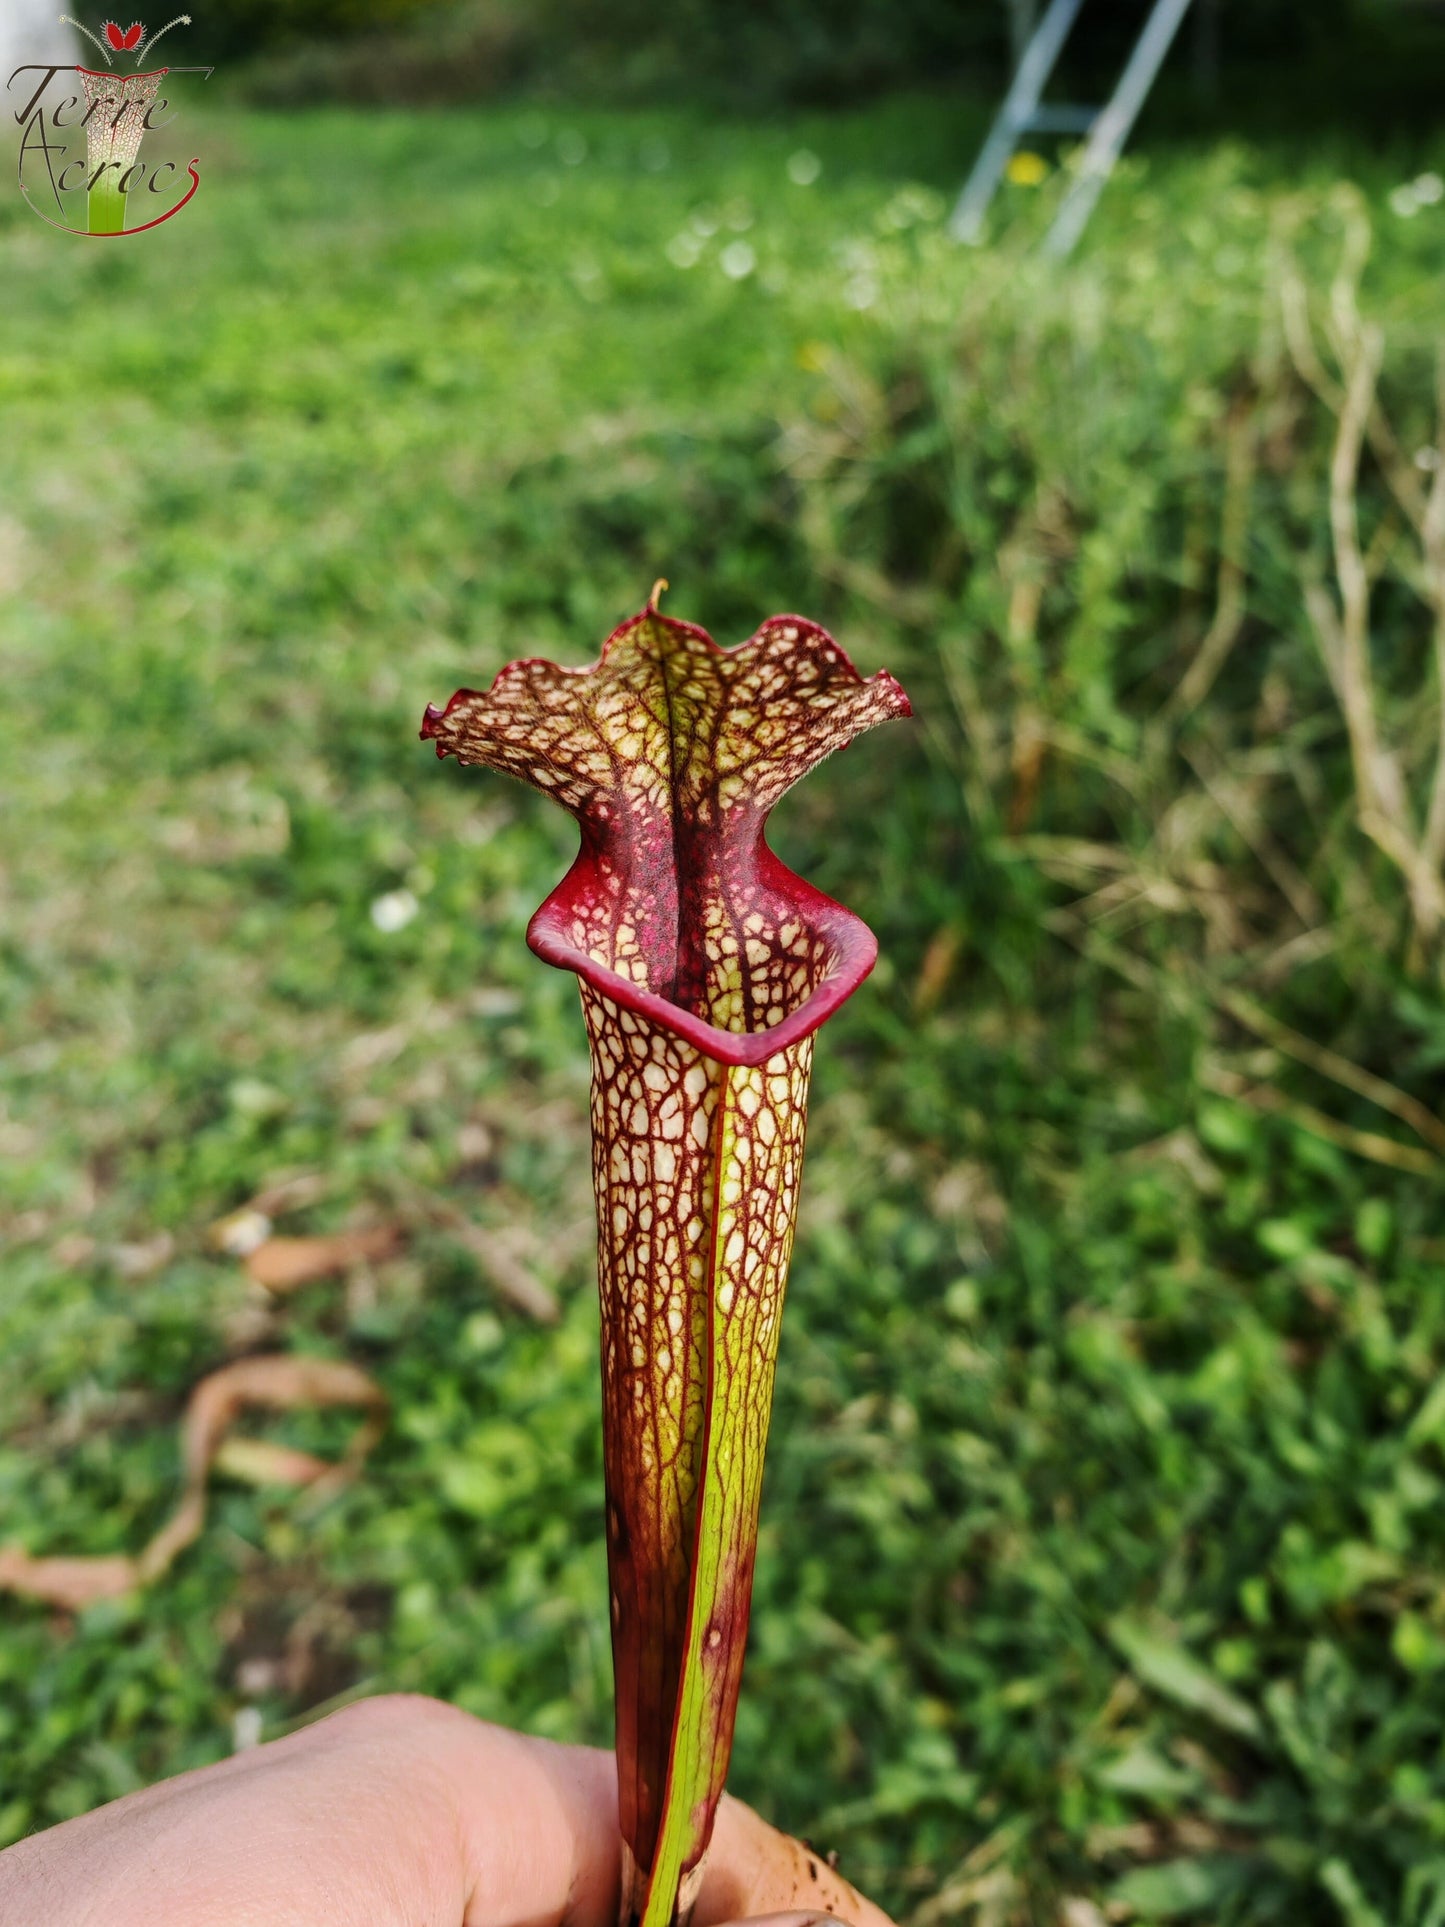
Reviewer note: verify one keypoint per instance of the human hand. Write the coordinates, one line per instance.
(396, 1812)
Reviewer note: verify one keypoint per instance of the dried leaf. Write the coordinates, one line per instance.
(505, 1254)
(283, 1383)
(67, 1583)
(285, 1264)
(1075, 1910)
(267, 1462)
(507, 1272)
(942, 953)
(144, 1258)
(288, 1191)
(74, 1249)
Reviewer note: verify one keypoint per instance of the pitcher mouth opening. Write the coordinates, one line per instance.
(669, 753)
(845, 950)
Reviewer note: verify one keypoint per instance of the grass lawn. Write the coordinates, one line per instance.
(1103, 1555)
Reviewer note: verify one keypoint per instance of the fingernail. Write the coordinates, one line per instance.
(802, 1917)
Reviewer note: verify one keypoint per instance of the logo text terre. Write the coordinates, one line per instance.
(87, 144)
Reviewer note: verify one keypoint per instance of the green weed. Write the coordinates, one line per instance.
(1102, 1533)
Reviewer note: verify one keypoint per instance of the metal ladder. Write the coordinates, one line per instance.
(1107, 128)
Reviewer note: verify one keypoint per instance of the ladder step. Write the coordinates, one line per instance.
(1106, 128)
(1060, 120)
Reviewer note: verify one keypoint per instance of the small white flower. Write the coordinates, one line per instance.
(737, 260)
(861, 292)
(253, 1098)
(910, 205)
(684, 250)
(804, 167)
(1429, 188)
(394, 911)
(246, 1726)
(241, 1233)
(1404, 201)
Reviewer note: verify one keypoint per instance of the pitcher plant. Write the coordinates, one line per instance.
(705, 967)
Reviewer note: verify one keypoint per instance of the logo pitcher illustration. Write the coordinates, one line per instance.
(114, 112)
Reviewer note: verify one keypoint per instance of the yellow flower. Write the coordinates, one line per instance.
(1027, 169)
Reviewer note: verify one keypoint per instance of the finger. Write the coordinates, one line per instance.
(548, 1850)
(753, 1870)
(539, 1823)
(537, 1826)
(794, 1919)
(397, 1810)
(332, 1823)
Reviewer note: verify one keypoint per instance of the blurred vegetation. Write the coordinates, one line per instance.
(1103, 1536)
(412, 52)
(1357, 63)
(244, 26)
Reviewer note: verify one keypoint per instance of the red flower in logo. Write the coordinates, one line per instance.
(123, 42)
